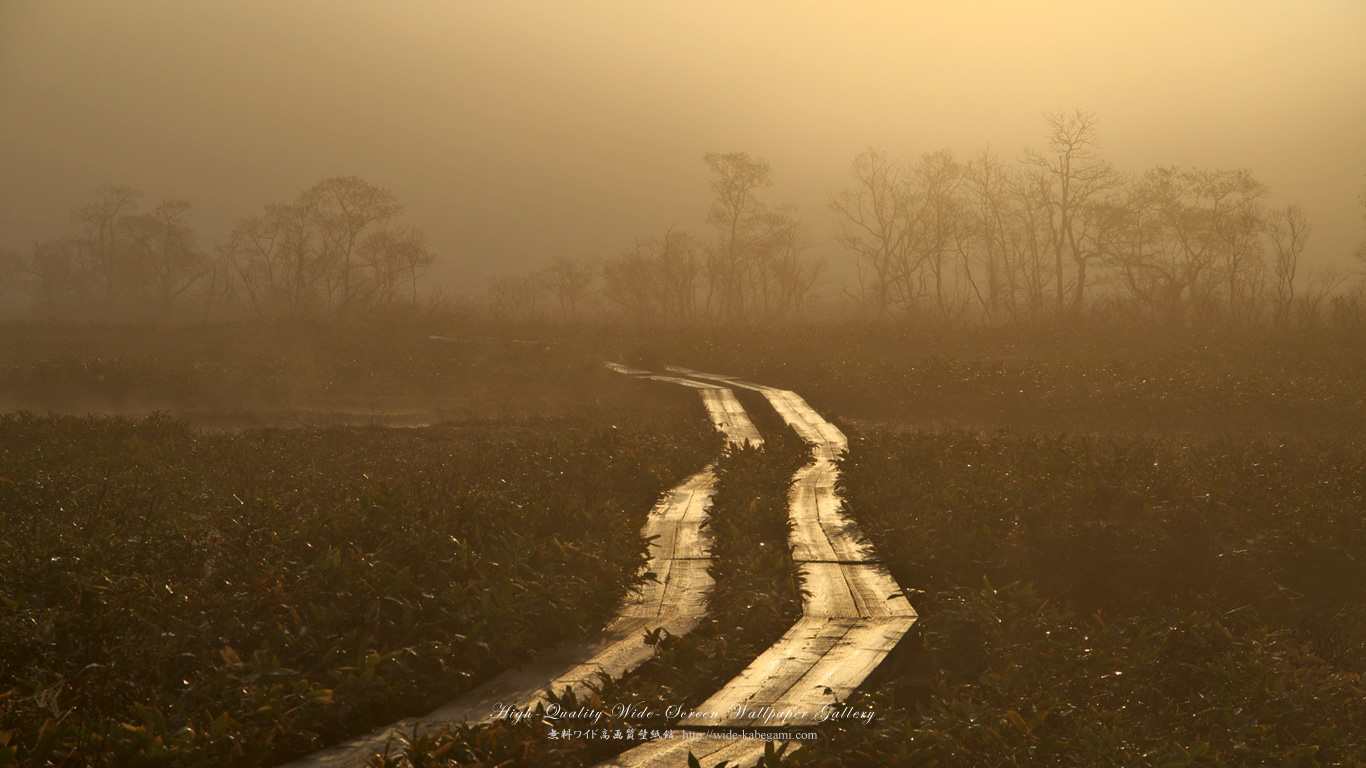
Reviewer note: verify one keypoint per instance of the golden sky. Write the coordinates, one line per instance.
(517, 131)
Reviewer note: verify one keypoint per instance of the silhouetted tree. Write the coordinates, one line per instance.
(336, 249)
(1187, 224)
(104, 244)
(344, 209)
(737, 215)
(570, 283)
(278, 264)
(675, 256)
(873, 221)
(61, 278)
(779, 280)
(632, 285)
(1072, 176)
(1288, 230)
(904, 225)
(516, 298)
(392, 257)
(164, 252)
(937, 227)
(988, 223)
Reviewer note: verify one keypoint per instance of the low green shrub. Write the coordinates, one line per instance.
(177, 597)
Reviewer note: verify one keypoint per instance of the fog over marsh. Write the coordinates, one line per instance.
(518, 131)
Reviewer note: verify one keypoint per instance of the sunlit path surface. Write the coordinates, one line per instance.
(676, 600)
(854, 613)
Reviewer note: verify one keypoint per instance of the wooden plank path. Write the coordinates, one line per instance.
(852, 617)
(676, 600)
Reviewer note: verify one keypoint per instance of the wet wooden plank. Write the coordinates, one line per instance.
(853, 617)
(859, 590)
(835, 676)
(730, 417)
(820, 664)
(626, 369)
(695, 384)
(722, 407)
(676, 522)
(769, 677)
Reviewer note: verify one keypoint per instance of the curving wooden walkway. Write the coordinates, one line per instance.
(676, 600)
(853, 615)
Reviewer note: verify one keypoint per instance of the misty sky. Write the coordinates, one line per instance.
(517, 131)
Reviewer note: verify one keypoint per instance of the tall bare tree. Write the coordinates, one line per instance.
(1072, 176)
(780, 280)
(392, 257)
(631, 285)
(516, 298)
(936, 225)
(278, 263)
(736, 214)
(345, 209)
(164, 249)
(570, 283)
(102, 239)
(62, 279)
(679, 272)
(1187, 223)
(988, 219)
(873, 221)
(336, 249)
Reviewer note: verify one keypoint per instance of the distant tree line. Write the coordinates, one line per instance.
(338, 248)
(752, 267)
(1060, 235)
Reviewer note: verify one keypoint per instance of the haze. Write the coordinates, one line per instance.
(516, 131)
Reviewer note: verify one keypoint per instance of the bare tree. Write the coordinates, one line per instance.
(904, 225)
(679, 270)
(392, 257)
(277, 261)
(1186, 224)
(102, 240)
(1073, 175)
(62, 278)
(164, 249)
(335, 249)
(516, 298)
(988, 218)
(736, 213)
(1288, 229)
(873, 220)
(1321, 285)
(780, 281)
(936, 224)
(1030, 245)
(569, 282)
(1242, 257)
(344, 209)
(631, 285)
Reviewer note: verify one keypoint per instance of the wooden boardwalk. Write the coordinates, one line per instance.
(852, 617)
(853, 614)
(676, 601)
